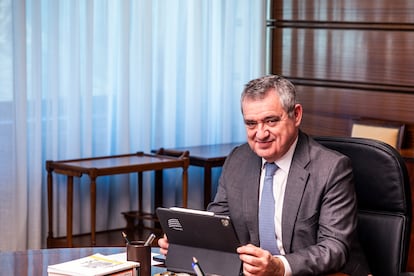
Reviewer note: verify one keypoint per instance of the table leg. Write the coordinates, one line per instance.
(207, 185)
(185, 187)
(158, 189)
(140, 191)
(93, 211)
(49, 205)
(69, 211)
(158, 194)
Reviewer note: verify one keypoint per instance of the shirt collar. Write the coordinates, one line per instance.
(284, 162)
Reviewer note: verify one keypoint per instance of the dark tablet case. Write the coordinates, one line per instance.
(209, 238)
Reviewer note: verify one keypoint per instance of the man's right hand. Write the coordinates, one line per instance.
(163, 244)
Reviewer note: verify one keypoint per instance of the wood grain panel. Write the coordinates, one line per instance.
(341, 102)
(329, 111)
(380, 57)
(348, 59)
(320, 125)
(395, 11)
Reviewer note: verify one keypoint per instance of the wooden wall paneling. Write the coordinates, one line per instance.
(349, 59)
(361, 56)
(345, 68)
(336, 107)
(350, 102)
(378, 11)
(322, 125)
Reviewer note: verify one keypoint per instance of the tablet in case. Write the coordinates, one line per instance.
(209, 238)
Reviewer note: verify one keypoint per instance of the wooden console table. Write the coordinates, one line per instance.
(109, 165)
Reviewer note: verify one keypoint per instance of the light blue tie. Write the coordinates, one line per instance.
(267, 232)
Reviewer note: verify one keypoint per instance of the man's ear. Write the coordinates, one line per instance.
(298, 111)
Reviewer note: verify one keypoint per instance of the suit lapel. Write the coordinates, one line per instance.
(251, 200)
(295, 186)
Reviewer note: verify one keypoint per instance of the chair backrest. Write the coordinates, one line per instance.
(384, 201)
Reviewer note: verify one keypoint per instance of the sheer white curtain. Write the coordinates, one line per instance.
(93, 78)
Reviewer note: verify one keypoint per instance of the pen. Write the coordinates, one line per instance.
(149, 240)
(125, 237)
(197, 268)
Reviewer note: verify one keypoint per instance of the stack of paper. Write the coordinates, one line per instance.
(94, 265)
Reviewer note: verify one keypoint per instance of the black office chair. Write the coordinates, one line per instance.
(384, 201)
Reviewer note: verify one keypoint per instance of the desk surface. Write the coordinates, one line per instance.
(209, 152)
(35, 262)
(115, 164)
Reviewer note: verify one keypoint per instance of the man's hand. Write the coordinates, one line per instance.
(257, 261)
(163, 244)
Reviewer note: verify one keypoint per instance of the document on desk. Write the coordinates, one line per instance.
(94, 265)
(210, 238)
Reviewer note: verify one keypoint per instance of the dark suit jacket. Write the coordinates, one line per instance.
(319, 211)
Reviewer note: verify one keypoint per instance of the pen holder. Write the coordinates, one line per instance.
(138, 252)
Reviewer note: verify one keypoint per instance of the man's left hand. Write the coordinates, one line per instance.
(257, 261)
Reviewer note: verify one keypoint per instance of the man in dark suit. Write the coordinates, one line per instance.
(312, 198)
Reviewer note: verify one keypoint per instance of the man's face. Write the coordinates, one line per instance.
(270, 131)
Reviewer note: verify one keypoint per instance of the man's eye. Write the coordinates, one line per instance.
(272, 121)
(250, 123)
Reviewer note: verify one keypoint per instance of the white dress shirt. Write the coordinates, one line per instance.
(279, 186)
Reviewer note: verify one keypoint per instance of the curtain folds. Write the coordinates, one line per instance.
(104, 77)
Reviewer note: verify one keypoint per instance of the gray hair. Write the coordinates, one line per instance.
(258, 88)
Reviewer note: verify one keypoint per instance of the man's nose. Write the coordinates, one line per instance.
(262, 130)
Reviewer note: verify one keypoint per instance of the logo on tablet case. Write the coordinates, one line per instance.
(225, 222)
(175, 224)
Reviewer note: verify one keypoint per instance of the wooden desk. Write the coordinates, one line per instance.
(109, 165)
(35, 262)
(206, 156)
